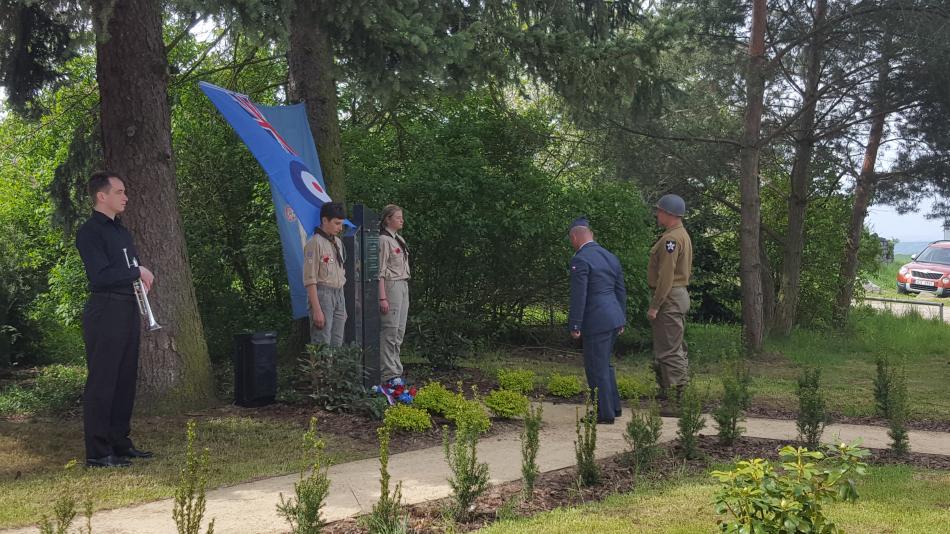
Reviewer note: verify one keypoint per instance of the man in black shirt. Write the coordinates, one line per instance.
(111, 325)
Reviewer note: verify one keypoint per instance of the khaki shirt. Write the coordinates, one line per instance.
(671, 262)
(320, 263)
(393, 259)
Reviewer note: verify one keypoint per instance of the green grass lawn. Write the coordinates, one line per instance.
(893, 500)
(33, 456)
(847, 360)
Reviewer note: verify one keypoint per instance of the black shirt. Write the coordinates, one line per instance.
(100, 241)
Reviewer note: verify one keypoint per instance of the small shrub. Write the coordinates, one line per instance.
(691, 421)
(643, 436)
(631, 388)
(882, 386)
(788, 497)
(470, 414)
(435, 398)
(57, 388)
(564, 386)
(304, 511)
(389, 516)
(586, 444)
(336, 377)
(469, 477)
(403, 417)
(507, 404)
(439, 336)
(64, 509)
(812, 415)
(530, 442)
(518, 380)
(736, 399)
(897, 411)
(190, 502)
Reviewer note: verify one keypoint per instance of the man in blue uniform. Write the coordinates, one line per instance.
(597, 314)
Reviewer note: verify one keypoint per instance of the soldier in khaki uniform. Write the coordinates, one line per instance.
(393, 292)
(324, 277)
(671, 261)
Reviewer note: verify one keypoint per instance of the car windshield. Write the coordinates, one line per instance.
(935, 255)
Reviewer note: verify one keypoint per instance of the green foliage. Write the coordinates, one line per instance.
(518, 380)
(691, 421)
(389, 516)
(643, 436)
(565, 386)
(190, 502)
(64, 509)
(304, 511)
(895, 407)
(632, 388)
(469, 413)
(882, 386)
(530, 442)
(435, 398)
(812, 413)
(440, 337)
(469, 477)
(507, 404)
(403, 417)
(57, 389)
(736, 399)
(788, 498)
(585, 446)
(336, 377)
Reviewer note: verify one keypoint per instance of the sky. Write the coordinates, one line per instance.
(885, 221)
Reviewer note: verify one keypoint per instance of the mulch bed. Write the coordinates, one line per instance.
(559, 488)
(775, 412)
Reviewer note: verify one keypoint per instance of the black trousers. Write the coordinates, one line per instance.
(598, 350)
(111, 328)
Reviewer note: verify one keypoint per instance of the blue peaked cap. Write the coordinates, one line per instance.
(580, 221)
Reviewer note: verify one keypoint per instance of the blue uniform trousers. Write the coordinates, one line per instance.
(598, 349)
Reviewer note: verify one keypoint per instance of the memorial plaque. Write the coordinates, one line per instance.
(362, 289)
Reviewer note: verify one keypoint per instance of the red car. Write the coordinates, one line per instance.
(930, 271)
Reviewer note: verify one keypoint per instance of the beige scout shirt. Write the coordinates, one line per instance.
(671, 262)
(393, 259)
(321, 265)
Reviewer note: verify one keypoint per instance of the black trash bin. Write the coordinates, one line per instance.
(255, 368)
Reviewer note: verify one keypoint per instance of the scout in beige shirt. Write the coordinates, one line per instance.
(324, 277)
(393, 293)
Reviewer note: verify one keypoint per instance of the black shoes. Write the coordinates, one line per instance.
(107, 461)
(602, 421)
(133, 453)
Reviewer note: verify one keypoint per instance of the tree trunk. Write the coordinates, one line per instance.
(310, 59)
(750, 265)
(863, 196)
(801, 180)
(131, 68)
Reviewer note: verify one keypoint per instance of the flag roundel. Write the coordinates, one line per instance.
(307, 184)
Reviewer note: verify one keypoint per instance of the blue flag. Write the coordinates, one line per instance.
(279, 138)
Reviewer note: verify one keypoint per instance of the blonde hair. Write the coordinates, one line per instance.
(387, 212)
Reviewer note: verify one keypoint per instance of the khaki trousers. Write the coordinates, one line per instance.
(392, 328)
(669, 347)
(334, 311)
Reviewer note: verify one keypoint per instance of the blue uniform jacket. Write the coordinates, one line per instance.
(598, 295)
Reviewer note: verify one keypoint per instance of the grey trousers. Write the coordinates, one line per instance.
(392, 328)
(669, 347)
(334, 310)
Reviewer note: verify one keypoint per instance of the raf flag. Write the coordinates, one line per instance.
(297, 191)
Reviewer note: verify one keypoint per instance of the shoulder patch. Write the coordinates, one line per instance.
(670, 246)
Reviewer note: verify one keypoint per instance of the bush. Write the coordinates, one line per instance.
(812, 415)
(632, 388)
(882, 386)
(565, 386)
(585, 446)
(518, 380)
(336, 377)
(469, 477)
(389, 516)
(304, 511)
(440, 336)
(435, 398)
(190, 502)
(691, 421)
(897, 411)
(643, 435)
(470, 414)
(507, 404)
(530, 442)
(402, 417)
(788, 497)
(736, 399)
(57, 389)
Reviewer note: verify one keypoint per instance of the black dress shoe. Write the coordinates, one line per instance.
(107, 461)
(601, 421)
(133, 453)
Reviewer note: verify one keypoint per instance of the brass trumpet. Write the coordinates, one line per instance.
(144, 308)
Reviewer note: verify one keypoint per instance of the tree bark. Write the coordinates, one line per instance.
(801, 180)
(749, 236)
(312, 81)
(863, 196)
(131, 68)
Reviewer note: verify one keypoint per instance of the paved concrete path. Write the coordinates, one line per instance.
(250, 507)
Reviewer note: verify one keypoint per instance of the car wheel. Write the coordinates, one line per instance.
(901, 290)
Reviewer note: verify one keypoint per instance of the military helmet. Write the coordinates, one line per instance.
(672, 204)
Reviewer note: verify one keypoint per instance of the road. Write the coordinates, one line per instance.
(928, 309)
